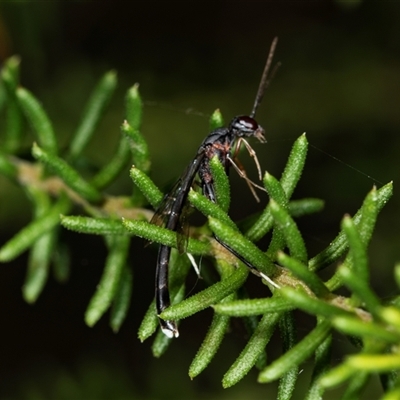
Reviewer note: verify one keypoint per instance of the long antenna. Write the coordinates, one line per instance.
(264, 81)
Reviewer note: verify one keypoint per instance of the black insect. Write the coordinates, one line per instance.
(221, 143)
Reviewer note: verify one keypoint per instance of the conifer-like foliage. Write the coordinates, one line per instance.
(59, 191)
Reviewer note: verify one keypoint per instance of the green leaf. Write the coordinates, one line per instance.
(299, 208)
(356, 385)
(61, 263)
(365, 227)
(41, 251)
(397, 274)
(14, 121)
(217, 330)
(134, 107)
(289, 179)
(288, 335)
(121, 300)
(94, 226)
(209, 208)
(303, 273)
(321, 365)
(374, 362)
(242, 246)
(339, 245)
(289, 228)
(38, 119)
(216, 120)
(211, 342)
(276, 193)
(110, 280)
(206, 297)
(297, 354)
(275, 190)
(68, 174)
(393, 394)
(149, 323)
(247, 307)
(10, 72)
(355, 327)
(138, 147)
(160, 344)
(261, 226)
(359, 263)
(276, 244)
(153, 195)
(107, 175)
(254, 347)
(337, 375)
(164, 236)
(221, 184)
(8, 168)
(360, 288)
(298, 298)
(131, 130)
(33, 231)
(38, 266)
(92, 113)
(294, 167)
(391, 315)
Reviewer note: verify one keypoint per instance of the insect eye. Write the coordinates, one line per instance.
(247, 123)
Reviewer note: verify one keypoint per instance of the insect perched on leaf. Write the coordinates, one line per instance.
(223, 143)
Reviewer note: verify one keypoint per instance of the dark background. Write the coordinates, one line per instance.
(339, 82)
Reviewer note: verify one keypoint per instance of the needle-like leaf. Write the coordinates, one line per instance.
(92, 114)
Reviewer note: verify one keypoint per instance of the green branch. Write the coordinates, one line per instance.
(65, 195)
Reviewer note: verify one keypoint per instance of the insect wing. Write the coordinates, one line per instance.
(164, 209)
(183, 228)
(167, 215)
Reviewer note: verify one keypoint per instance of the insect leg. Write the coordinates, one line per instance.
(242, 173)
(208, 191)
(252, 268)
(252, 154)
(194, 264)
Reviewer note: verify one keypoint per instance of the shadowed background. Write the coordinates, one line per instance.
(339, 82)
